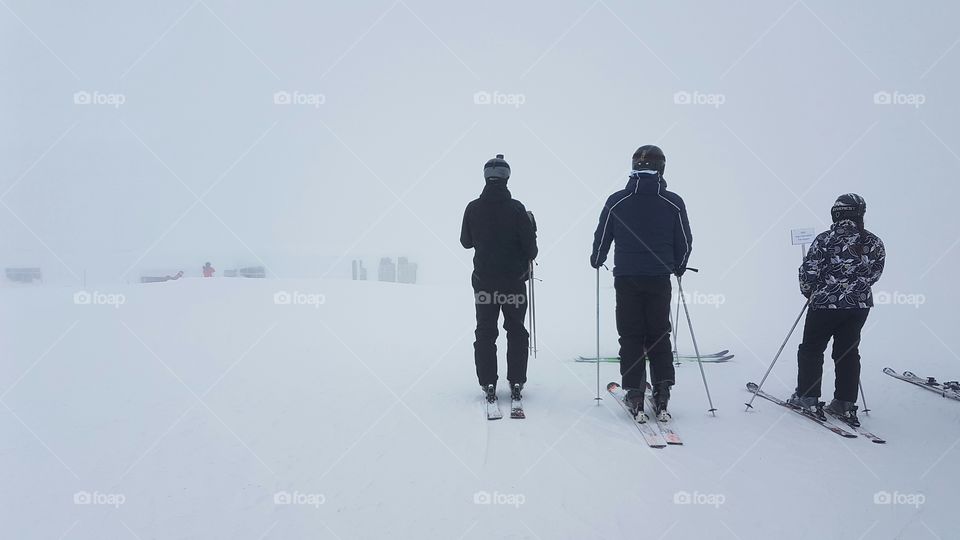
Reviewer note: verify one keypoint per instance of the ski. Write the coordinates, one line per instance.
(652, 437)
(516, 408)
(858, 429)
(719, 354)
(752, 387)
(930, 384)
(616, 359)
(493, 410)
(725, 352)
(666, 429)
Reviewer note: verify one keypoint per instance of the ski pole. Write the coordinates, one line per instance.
(864, 398)
(597, 399)
(676, 332)
(782, 345)
(530, 310)
(696, 349)
(533, 308)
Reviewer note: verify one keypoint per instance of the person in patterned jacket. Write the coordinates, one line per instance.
(836, 276)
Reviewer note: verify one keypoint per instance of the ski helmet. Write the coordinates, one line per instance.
(649, 156)
(848, 206)
(497, 168)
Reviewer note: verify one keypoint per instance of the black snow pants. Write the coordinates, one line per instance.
(643, 322)
(511, 300)
(844, 326)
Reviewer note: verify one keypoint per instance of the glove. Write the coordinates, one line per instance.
(679, 271)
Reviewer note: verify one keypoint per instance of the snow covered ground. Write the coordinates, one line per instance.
(198, 408)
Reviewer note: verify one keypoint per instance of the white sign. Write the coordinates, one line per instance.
(802, 236)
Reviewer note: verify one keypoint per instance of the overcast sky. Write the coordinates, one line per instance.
(178, 149)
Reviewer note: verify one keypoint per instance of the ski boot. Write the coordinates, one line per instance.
(661, 396)
(491, 392)
(515, 392)
(845, 410)
(634, 401)
(812, 405)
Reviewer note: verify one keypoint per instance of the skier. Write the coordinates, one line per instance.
(653, 240)
(501, 232)
(836, 276)
(208, 270)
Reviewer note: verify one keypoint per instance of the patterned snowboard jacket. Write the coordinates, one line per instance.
(832, 276)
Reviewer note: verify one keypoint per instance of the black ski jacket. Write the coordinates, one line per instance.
(498, 228)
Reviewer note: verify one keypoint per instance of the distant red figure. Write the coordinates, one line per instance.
(208, 270)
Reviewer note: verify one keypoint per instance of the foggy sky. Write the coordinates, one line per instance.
(386, 164)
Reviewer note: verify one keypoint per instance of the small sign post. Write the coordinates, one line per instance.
(802, 237)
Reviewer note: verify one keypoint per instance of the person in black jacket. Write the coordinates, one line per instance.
(503, 235)
(650, 227)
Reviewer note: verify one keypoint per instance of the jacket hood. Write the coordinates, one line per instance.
(646, 181)
(495, 190)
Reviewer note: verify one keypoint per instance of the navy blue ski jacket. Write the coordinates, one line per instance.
(649, 225)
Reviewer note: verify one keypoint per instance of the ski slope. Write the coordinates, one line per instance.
(191, 409)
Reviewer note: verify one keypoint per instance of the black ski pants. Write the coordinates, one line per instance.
(643, 322)
(844, 326)
(511, 300)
